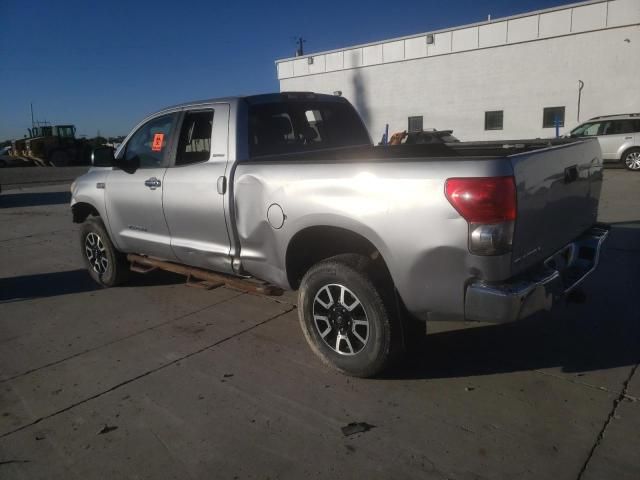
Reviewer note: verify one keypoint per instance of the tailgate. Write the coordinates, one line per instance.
(558, 190)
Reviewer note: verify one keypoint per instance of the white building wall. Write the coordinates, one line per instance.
(518, 65)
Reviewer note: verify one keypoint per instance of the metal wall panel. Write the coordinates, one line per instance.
(493, 34)
(589, 17)
(441, 44)
(522, 29)
(623, 12)
(393, 51)
(334, 61)
(415, 47)
(464, 39)
(555, 23)
(372, 55)
(353, 58)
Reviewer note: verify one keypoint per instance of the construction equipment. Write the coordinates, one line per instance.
(54, 145)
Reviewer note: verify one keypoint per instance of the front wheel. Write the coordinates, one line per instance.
(106, 265)
(348, 317)
(631, 159)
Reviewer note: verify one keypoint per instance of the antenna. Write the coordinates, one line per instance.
(299, 46)
(32, 123)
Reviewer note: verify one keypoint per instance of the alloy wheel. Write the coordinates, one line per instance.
(633, 161)
(340, 319)
(96, 253)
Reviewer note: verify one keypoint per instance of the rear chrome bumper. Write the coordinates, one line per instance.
(538, 289)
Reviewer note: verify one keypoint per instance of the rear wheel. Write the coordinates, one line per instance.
(631, 159)
(106, 265)
(347, 314)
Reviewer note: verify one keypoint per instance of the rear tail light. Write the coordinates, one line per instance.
(488, 204)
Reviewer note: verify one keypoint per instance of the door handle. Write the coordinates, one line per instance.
(221, 185)
(152, 183)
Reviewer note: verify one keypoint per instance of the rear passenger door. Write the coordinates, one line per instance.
(195, 190)
(615, 134)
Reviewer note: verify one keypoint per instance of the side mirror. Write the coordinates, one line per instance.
(103, 157)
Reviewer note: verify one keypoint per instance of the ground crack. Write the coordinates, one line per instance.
(616, 403)
(116, 340)
(149, 372)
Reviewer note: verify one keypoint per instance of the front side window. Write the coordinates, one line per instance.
(195, 138)
(493, 120)
(552, 116)
(66, 132)
(147, 147)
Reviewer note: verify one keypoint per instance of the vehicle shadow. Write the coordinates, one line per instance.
(41, 285)
(15, 289)
(16, 200)
(601, 332)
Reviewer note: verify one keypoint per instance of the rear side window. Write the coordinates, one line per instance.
(300, 126)
(195, 138)
(619, 127)
(148, 145)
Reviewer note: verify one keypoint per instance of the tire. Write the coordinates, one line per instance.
(347, 313)
(631, 159)
(106, 265)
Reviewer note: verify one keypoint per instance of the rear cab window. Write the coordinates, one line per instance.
(283, 127)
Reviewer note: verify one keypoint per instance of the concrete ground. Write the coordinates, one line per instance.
(158, 380)
(32, 176)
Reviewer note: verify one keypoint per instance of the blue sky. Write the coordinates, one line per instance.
(104, 65)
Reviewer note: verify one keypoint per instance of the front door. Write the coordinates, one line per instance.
(134, 196)
(195, 190)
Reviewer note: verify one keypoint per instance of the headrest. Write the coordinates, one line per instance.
(282, 125)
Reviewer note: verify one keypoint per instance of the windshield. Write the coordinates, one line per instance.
(66, 131)
(586, 129)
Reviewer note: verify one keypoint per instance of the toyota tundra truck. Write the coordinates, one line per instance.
(289, 189)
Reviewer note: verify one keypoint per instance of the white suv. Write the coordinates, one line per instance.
(619, 137)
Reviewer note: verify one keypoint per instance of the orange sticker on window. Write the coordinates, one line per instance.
(158, 138)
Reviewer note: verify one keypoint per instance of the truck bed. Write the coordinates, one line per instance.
(394, 196)
(420, 152)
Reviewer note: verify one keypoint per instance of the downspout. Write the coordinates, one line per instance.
(580, 87)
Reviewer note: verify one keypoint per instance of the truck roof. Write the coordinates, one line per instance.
(616, 116)
(257, 99)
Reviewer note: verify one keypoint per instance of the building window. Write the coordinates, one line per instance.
(493, 120)
(551, 115)
(415, 124)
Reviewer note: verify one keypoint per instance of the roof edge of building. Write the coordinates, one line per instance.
(444, 30)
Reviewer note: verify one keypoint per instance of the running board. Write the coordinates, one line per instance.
(205, 278)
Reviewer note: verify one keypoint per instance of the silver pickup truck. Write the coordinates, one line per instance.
(288, 188)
